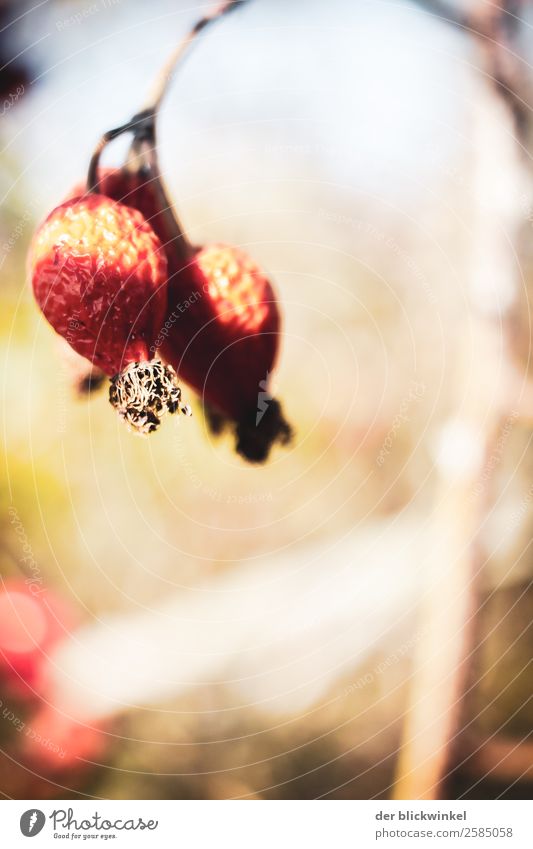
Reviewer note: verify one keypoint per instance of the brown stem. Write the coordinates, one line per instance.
(143, 159)
(165, 75)
(143, 153)
(142, 125)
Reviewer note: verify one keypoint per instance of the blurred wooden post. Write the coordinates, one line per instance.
(433, 716)
(450, 601)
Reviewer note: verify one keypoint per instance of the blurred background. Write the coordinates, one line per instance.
(350, 620)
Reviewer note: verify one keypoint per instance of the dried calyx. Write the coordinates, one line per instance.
(256, 432)
(144, 392)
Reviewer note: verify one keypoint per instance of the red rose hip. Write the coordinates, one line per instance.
(222, 336)
(99, 275)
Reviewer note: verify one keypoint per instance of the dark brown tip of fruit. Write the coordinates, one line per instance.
(255, 434)
(144, 392)
(90, 382)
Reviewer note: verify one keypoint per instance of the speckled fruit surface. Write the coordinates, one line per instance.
(222, 326)
(99, 275)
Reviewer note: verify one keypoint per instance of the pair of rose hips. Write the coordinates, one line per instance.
(110, 279)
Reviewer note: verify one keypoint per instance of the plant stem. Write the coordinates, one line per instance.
(143, 123)
(143, 160)
(165, 75)
(140, 123)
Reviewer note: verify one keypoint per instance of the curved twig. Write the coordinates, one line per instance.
(142, 125)
(165, 76)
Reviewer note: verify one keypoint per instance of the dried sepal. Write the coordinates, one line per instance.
(255, 433)
(144, 392)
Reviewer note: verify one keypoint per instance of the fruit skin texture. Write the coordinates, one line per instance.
(99, 275)
(126, 187)
(222, 327)
(221, 335)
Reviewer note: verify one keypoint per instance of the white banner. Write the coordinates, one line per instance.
(267, 825)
